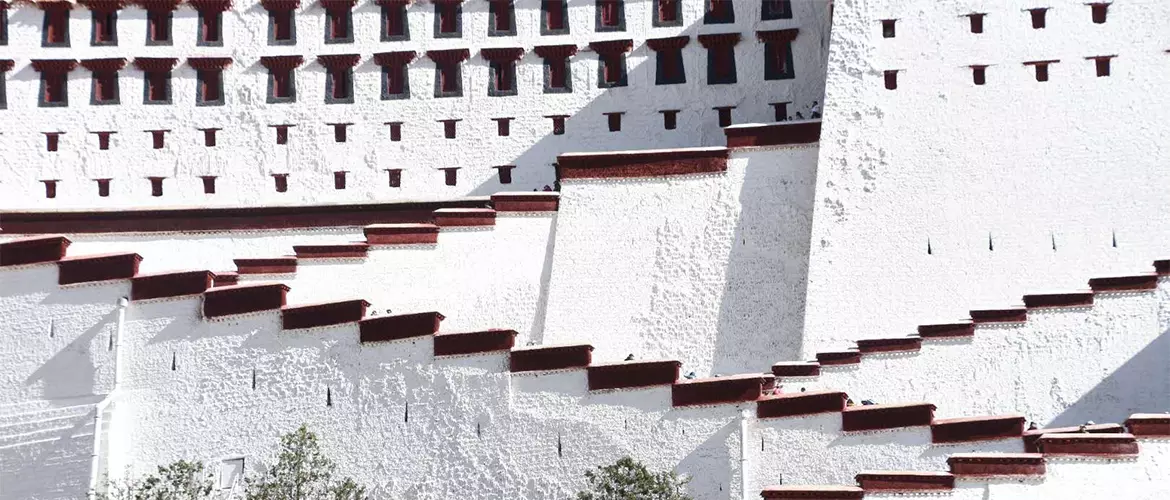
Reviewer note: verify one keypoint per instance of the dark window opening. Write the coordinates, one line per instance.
(339, 86)
(611, 15)
(281, 27)
(210, 85)
(558, 125)
(156, 186)
(557, 78)
(340, 132)
(505, 173)
(669, 66)
(103, 187)
(56, 28)
(613, 70)
(395, 177)
(449, 128)
(338, 25)
(447, 20)
(724, 115)
(721, 65)
(209, 137)
(395, 83)
(395, 131)
(105, 87)
(394, 22)
(54, 89)
(281, 134)
(103, 140)
(503, 77)
(1038, 17)
(1041, 71)
(4, 26)
(976, 22)
(501, 18)
(52, 141)
(158, 138)
(615, 121)
(1100, 12)
(448, 79)
(282, 85)
(503, 126)
(719, 12)
(778, 61)
(669, 119)
(158, 87)
(105, 27)
(554, 19)
(667, 13)
(776, 9)
(158, 27)
(891, 78)
(780, 111)
(208, 184)
(979, 74)
(281, 182)
(50, 188)
(210, 28)
(889, 28)
(339, 180)
(451, 175)
(1102, 64)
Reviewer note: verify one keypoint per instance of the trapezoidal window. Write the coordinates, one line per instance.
(105, 88)
(558, 78)
(611, 70)
(667, 13)
(158, 27)
(721, 64)
(1039, 18)
(338, 25)
(778, 61)
(611, 15)
(105, 27)
(157, 87)
(54, 90)
(210, 87)
(776, 9)
(55, 30)
(282, 86)
(501, 18)
(282, 28)
(669, 67)
(339, 86)
(210, 28)
(447, 19)
(719, 12)
(1100, 12)
(448, 79)
(554, 17)
(503, 78)
(395, 82)
(394, 22)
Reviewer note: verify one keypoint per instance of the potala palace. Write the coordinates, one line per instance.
(786, 248)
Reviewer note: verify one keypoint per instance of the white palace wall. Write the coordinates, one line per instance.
(708, 269)
(246, 155)
(943, 196)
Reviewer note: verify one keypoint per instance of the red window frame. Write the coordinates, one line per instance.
(554, 15)
(56, 26)
(158, 29)
(54, 87)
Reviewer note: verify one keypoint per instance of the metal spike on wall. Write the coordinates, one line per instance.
(990, 243)
(174, 361)
(929, 249)
(560, 449)
(253, 379)
(328, 396)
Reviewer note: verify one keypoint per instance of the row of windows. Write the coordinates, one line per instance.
(1102, 65)
(395, 82)
(609, 16)
(280, 181)
(1038, 15)
(450, 131)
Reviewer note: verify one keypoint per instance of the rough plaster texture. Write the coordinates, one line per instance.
(1023, 367)
(711, 267)
(942, 162)
(478, 277)
(247, 155)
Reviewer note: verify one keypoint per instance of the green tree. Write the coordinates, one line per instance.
(628, 479)
(302, 472)
(181, 480)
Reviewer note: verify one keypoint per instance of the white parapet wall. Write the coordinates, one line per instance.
(707, 267)
(942, 196)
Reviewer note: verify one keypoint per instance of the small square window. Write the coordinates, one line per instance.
(976, 22)
(209, 137)
(614, 120)
(505, 173)
(103, 187)
(448, 79)
(501, 18)
(724, 115)
(395, 131)
(52, 141)
(776, 9)
(156, 186)
(339, 180)
(611, 70)
(158, 138)
(394, 22)
(1039, 18)
(503, 126)
(158, 27)
(395, 82)
(339, 86)
(282, 86)
(210, 29)
(105, 88)
(282, 27)
(395, 177)
(451, 175)
(209, 188)
(1100, 12)
(669, 119)
(558, 75)
(105, 27)
(281, 134)
(448, 19)
(554, 18)
(667, 13)
(719, 12)
(889, 28)
(281, 182)
(55, 31)
(157, 87)
(103, 140)
(979, 75)
(338, 25)
(611, 15)
(50, 188)
(340, 132)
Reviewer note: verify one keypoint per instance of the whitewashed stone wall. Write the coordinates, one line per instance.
(711, 267)
(1014, 186)
(247, 154)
